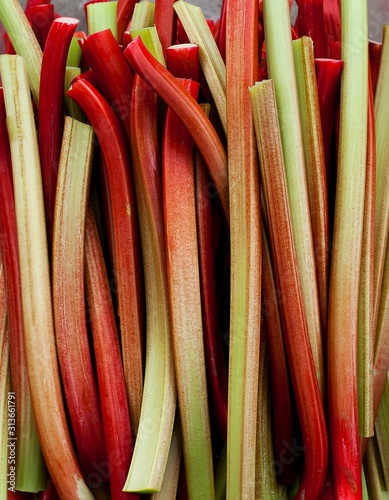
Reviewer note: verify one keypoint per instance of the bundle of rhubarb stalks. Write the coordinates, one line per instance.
(194, 269)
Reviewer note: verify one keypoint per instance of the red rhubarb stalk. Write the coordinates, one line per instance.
(332, 22)
(69, 291)
(185, 302)
(112, 72)
(125, 234)
(42, 17)
(124, 14)
(311, 23)
(165, 20)
(305, 383)
(51, 109)
(112, 387)
(375, 51)
(246, 248)
(190, 113)
(183, 61)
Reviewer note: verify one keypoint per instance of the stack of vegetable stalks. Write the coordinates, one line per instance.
(194, 269)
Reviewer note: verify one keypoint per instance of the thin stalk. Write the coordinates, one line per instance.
(125, 9)
(35, 284)
(72, 109)
(113, 74)
(74, 356)
(30, 467)
(51, 109)
(265, 477)
(246, 249)
(365, 494)
(170, 480)
(5, 396)
(375, 53)
(332, 22)
(190, 113)
(159, 400)
(315, 169)
(382, 201)
(185, 302)
(42, 18)
(346, 254)
(382, 432)
(300, 357)
(143, 16)
(198, 31)
(112, 387)
(23, 39)
(282, 411)
(281, 69)
(102, 16)
(166, 23)
(125, 236)
(366, 326)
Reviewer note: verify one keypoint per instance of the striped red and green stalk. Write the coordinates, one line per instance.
(300, 357)
(30, 471)
(35, 284)
(51, 109)
(185, 301)
(110, 376)
(125, 236)
(190, 113)
(159, 401)
(112, 72)
(246, 248)
(346, 253)
(68, 285)
(281, 389)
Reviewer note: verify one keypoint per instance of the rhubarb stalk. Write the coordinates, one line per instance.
(102, 15)
(246, 254)
(35, 284)
(346, 256)
(5, 395)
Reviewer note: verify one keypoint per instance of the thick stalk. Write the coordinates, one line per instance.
(125, 236)
(315, 169)
(143, 16)
(102, 16)
(166, 23)
(346, 255)
(35, 285)
(185, 302)
(112, 387)
(23, 39)
(159, 400)
(246, 249)
(74, 356)
(125, 9)
(30, 468)
(311, 23)
(42, 18)
(190, 113)
(301, 364)
(281, 69)
(51, 109)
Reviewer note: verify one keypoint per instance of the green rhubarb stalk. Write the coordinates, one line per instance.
(170, 481)
(382, 172)
(102, 16)
(265, 477)
(221, 475)
(4, 388)
(315, 167)
(382, 432)
(347, 250)
(151, 40)
(72, 108)
(75, 53)
(246, 249)
(281, 69)
(24, 41)
(143, 16)
(365, 493)
(42, 364)
(198, 32)
(374, 478)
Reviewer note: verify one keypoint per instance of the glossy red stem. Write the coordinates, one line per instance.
(328, 73)
(190, 113)
(221, 40)
(311, 23)
(375, 51)
(112, 388)
(125, 234)
(50, 492)
(111, 70)
(183, 61)
(279, 372)
(42, 18)
(124, 14)
(165, 19)
(332, 24)
(51, 109)
(33, 3)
